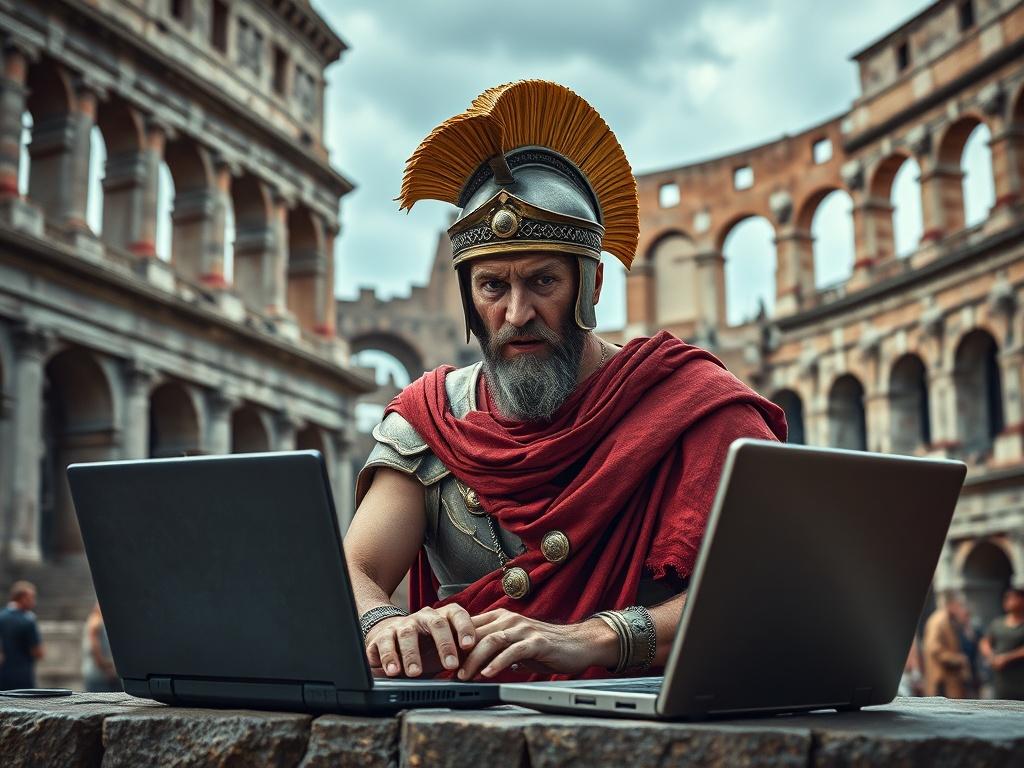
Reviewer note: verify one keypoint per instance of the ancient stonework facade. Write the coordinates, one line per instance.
(919, 354)
(108, 350)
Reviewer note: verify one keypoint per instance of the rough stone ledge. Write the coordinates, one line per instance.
(118, 730)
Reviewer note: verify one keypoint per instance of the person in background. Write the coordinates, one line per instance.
(20, 643)
(97, 661)
(1003, 647)
(947, 669)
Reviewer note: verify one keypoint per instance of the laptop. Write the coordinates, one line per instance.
(223, 582)
(806, 594)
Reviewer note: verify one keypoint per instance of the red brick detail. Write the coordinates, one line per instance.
(213, 280)
(932, 235)
(143, 248)
(866, 263)
(1013, 429)
(1010, 198)
(323, 329)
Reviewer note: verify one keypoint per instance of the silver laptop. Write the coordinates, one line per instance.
(812, 575)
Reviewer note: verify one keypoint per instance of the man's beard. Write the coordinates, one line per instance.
(527, 387)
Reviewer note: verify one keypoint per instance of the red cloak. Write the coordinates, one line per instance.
(627, 468)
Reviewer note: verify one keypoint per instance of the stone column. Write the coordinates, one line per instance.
(1009, 444)
(32, 345)
(640, 316)
(84, 118)
(256, 256)
(942, 401)
(307, 279)
(286, 425)
(794, 273)
(710, 289)
(219, 407)
(130, 189)
(198, 254)
(878, 421)
(277, 289)
(1007, 147)
(12, 106)
(342, 477)
(52, 173)
(138, 381)
(326, 318)
(873, 235)
(942, 200)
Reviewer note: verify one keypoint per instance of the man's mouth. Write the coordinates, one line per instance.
(524, 345)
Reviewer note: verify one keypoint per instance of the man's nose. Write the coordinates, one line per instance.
(520, 309)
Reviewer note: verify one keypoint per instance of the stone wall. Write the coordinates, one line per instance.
(116, 730)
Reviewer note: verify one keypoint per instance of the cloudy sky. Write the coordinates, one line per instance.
(676, 81)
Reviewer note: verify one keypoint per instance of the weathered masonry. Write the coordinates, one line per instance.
(167, 218)
(918, 352)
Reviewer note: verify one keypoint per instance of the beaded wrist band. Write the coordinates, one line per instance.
(375, 616)
(637, 635)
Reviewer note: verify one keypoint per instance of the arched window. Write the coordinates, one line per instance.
(97, 166)
(909, 426)
(979, 400)
(173, 422)
(907, 222)
(164, 213)
(987, 574)
(846, 418)
(249, 433)
(832, 230)
(750, 263)
(978, 183)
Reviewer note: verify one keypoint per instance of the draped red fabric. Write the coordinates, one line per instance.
(613, 470)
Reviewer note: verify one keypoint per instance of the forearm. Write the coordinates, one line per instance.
(366, 590)
(602, 639)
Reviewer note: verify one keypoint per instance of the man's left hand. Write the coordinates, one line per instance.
(505, 638)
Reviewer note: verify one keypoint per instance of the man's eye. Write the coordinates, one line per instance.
(545, 280)
(492, 286)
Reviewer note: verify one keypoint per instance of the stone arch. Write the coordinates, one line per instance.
(307, 268)
(255, 244)
(311, 438)
(78, 425)
(250, 430)
(404, 351)
(672, 258)
(895, 214)
(910, 423)
(49, 102)
(987, 573)
(174, 427)
(956, 183)
(979, 400)
(192, 212)
(793, 406)
(751, 262)
(847, 426)
(826, 216)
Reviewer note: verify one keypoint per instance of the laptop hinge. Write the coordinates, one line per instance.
(319, 696)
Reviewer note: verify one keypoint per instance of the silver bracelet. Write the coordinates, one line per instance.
(637, 636)
(376, 615)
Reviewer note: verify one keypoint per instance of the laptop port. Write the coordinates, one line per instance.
(625, 705)
(591, 700)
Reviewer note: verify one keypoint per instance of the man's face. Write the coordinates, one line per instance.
(525, 321)
(1013, 601)
(28, 601)
(510, 292)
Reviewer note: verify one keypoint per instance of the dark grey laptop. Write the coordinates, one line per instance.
(223, 582)
(808, 587)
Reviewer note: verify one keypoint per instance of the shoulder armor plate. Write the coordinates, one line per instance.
(460, 386)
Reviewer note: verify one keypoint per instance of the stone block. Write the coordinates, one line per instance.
(492, 738)
(204, 737)
(157, 272)
(352, 742)
(65, 731)
(19, 213)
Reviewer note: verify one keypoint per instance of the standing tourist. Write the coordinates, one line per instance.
(1003, 647)
(19, 638)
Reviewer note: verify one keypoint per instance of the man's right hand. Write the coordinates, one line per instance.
(394, 644)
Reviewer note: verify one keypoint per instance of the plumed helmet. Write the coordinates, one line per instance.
(533, 168)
